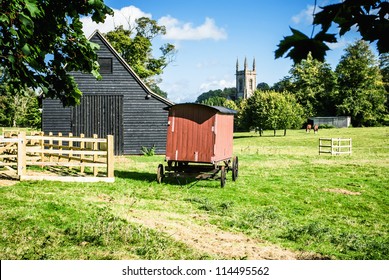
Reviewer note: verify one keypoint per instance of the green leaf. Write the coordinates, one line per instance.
(27, 22)
(11, 58)
(94, 46)
(26, 49)
(4, 18)
(300, 45)
(32, 8)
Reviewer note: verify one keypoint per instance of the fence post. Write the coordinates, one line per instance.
(110, 157)
(82, 148)
(95, 157)
(21, 154)
(50, 147)
(60, 145)
(70, 148)
(332, 146)
(42, 145)
(350, 146)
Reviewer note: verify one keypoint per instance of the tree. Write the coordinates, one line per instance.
(227, 93)
(384, 66)
(272, 110)
(370, 17)
(155, 88)
(41, 42)
(361, 91)
(135, 46)
(214, 101)
(313, 83)
(19, 109)
(282, 85)
(263, 86)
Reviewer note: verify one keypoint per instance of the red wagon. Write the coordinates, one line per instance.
(199, 143)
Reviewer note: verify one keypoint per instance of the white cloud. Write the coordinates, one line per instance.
(178, 91)
(176, 30)
(305, 16)
(216, 84)
(124, 16)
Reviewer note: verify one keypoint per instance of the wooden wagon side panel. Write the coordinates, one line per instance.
(190, 134)
(224, 125)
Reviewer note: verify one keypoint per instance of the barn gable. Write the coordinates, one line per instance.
(119, 104)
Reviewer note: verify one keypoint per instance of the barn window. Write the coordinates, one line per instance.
(105, 65)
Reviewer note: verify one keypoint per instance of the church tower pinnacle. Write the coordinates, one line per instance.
(246, 80)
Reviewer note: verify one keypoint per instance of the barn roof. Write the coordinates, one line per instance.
(129, 69)
(218, 109)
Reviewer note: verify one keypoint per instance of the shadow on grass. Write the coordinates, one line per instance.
(259, 136)
(244, 136)
(138, 176)
(152, 177)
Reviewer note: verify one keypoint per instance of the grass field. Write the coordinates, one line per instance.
(288, 199)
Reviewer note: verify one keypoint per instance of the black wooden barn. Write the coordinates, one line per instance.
(120, 104)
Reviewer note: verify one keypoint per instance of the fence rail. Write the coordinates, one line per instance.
(59, 151)
(335, 146)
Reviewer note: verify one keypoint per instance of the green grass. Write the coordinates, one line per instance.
(335, 207)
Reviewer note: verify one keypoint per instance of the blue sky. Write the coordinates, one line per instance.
(211, 35)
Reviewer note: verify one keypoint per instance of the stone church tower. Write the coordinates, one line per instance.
(246, 80)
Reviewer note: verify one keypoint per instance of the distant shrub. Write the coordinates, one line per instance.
(327, 126)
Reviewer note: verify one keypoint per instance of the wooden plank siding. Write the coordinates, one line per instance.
(143, 121)
(199, 133)
(55, 118)
(101, 115)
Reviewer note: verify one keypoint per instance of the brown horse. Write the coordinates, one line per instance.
(308, 128)
(316, 129)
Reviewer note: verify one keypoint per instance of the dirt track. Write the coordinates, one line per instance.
(208, 238)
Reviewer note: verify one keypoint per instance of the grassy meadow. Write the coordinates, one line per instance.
(287, 195)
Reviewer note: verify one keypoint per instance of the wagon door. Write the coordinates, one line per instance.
(101, 115)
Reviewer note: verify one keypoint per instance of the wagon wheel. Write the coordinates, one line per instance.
(235, 167)
(160, 173)
(222, 176)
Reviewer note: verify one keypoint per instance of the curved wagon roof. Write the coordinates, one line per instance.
(217, 109)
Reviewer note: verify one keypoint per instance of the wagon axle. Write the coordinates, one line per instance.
(217, 171)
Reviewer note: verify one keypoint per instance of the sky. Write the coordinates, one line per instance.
(211, 35)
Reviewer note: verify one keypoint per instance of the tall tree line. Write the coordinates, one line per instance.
(358, 87)
(355, 88)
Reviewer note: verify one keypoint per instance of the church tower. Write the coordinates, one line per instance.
(246, 80)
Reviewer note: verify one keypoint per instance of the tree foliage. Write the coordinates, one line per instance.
(313, 83)
(263, 86)
(300, 45)
(384, 66)
(19, 109)
(41, 42)
(361, 90)
(227, 93)
(370, 17)
(214, 101)
(272, 110)
(135, 46)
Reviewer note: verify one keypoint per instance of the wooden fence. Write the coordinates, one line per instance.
(75, 153)
(335, 146)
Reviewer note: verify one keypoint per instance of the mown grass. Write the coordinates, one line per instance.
(335, 207)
